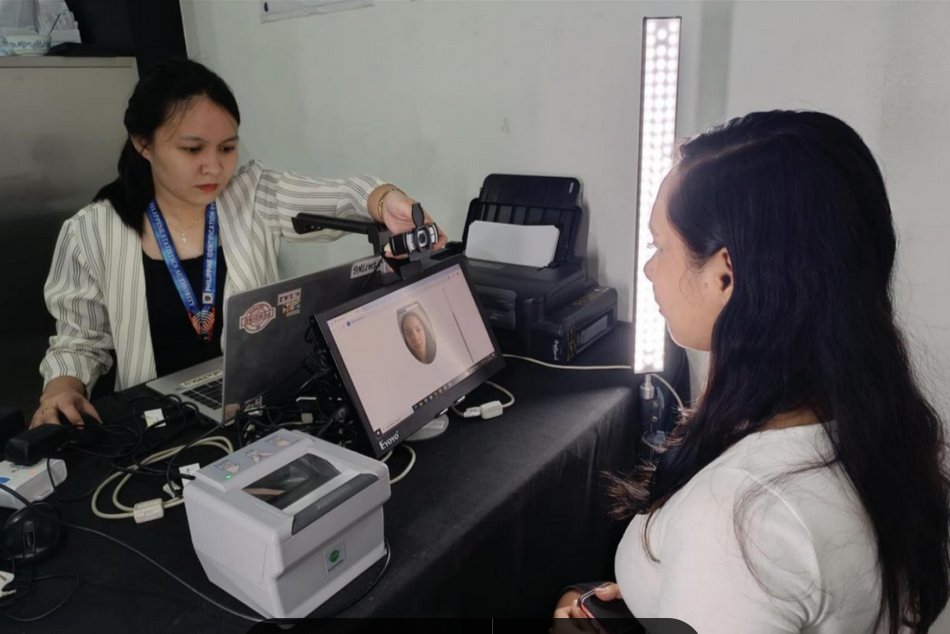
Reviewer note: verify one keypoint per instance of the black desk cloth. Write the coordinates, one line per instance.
(494, 519)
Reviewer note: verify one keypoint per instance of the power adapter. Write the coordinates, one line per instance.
(492, 409)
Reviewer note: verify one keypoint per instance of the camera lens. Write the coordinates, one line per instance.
(422, 238)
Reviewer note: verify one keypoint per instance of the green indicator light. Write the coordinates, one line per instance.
(334, 556)
(227, 477)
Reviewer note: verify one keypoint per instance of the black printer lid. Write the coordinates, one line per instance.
(531, 201)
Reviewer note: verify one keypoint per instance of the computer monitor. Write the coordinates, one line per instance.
(408, 352)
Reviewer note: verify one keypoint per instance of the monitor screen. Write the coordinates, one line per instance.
(410, 353)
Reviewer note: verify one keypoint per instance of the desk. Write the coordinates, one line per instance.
(494, 519)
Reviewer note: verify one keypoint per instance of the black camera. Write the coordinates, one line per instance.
(418, 241)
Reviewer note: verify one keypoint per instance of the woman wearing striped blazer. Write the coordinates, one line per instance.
(145, 269)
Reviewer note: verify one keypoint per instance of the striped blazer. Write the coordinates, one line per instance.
(96, 284)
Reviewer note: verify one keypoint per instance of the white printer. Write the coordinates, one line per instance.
(287, 522)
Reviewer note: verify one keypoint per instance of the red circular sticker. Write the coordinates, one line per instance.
(257, 317)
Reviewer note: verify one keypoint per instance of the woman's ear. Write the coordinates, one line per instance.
(141, 146)
(720, 276)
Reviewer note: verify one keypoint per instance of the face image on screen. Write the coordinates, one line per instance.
(409, 346)
(417, 332)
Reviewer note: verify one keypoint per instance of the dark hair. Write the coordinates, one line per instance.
(798, 201)
(430, 340)
(167, 90)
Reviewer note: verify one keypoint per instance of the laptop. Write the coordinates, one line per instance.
(264, 342)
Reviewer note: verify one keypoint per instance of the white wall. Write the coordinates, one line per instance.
(884, 67)
(437, 95)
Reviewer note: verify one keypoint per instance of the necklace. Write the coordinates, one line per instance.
(184, 234)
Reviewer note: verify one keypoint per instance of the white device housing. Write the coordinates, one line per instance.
(31, 482)
(321, 529)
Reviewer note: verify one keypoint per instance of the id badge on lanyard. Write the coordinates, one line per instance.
(202, 317)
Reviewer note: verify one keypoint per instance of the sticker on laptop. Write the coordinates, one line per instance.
(290, 302)
(364, 267)
(214, 374)
(257, 317)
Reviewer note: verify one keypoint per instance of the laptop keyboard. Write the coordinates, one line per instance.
(208, 394)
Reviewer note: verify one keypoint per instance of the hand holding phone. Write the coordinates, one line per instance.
(609, 617)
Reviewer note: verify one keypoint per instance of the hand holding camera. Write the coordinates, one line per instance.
(418, 241)
(412, 229)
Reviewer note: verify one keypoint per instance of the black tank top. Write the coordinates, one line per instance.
(176, 344)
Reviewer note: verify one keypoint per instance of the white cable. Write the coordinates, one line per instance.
(505, 392)
(569, 367)
(215, 441)
(598, 367)
(162, 455)
(405, 472)
(670, 387)
(511, 402)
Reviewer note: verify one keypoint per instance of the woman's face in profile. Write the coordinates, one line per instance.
(415, 334)
(690, 301)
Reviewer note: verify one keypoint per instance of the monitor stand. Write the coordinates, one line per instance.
(433, 429)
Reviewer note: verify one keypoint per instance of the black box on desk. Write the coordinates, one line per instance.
(518, 299)
(569, 331)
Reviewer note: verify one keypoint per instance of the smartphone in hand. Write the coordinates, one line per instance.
(609, 617)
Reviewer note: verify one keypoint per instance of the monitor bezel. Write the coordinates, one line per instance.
(382, 445)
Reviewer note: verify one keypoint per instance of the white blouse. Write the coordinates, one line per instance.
(807, 537)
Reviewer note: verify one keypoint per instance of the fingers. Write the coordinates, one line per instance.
(388, 254)
(443, 240)
(565, 624)
(87, 407)
(399, 217)
(609, 592)
(72, 414)
(570, 617)
(71, 405)
(567, 600)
